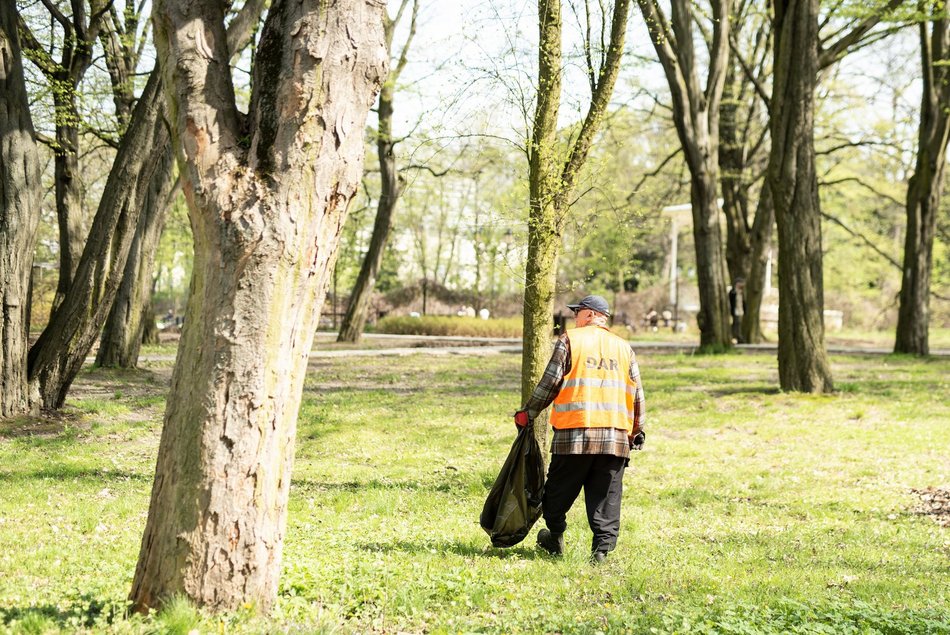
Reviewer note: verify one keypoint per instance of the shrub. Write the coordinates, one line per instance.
(448, 325)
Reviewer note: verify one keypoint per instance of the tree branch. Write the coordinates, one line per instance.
(403, 55)
(828, 55)
(192, 45)
(34, 50)
(854, 179)
(851, 144)
(414, 166)
(749, 73)
(718, 55)
(62, 19)
(862, 238)
(659, 168)
(600, 98)
(242, 26)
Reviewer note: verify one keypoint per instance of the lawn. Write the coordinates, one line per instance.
(749, 510)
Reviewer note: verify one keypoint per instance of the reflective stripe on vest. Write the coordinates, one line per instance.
(598, 391)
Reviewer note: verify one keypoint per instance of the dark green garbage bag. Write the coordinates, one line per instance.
(514, 502)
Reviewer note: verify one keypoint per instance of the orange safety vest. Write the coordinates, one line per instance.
(598, 391)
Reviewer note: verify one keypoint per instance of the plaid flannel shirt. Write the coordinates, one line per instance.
(583, 440)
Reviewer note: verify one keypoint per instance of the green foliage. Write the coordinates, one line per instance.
(459, 326)
(174, 258)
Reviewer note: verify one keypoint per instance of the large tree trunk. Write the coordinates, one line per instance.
(924, 190)
(122, 335)
(761, 238)
(802, 358)
(61, 349)
(696, 116)
(266, 218)
(20, 199)
(354, 321)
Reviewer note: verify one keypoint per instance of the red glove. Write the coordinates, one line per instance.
(521, 418)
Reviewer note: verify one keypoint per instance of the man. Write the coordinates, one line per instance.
(593, 379)
(737, 308)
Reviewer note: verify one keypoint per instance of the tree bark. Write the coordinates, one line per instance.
(925, 187)
(761, 238)
(551, 182)
(696, 116)
(61, 349)
(68, 194)
(735, 193)
(802, 358)
(149, 328)
(20, 200)
(58, 354)
(122, 334)
(391, 187)
(266, 217)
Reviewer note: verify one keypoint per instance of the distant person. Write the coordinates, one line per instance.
(652, 318)
(667, 317)
(593, 379)
(737, 308)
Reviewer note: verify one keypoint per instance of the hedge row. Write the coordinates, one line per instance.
(463, 326)
(447, 325)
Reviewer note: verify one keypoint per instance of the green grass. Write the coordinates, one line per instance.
(749, 511)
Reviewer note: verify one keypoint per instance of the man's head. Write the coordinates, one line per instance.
(592, 309)
(739, 283)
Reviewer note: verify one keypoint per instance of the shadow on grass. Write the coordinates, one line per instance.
(84, 610)
(71, 473)
(727, 391)
(304, 485)
(467, 550)
(45, 426)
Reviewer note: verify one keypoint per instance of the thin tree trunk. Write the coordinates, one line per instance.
(69, 207)
(802, 358)
(122, 334)
(713, 316)
(761, 238)
(266, 216)
(924, 190)
(149, 328)
(696, 116)
(735, 194)
(551, 182)
(544, 226)
(354, 321)
(20, 199)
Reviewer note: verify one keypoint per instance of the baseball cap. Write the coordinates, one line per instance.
(592, 302)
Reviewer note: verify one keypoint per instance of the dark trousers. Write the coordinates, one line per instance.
(601, 476)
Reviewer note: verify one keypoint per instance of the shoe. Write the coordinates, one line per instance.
(598, 557)
(552, 543)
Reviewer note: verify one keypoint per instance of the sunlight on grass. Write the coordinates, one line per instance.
(750, 510)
